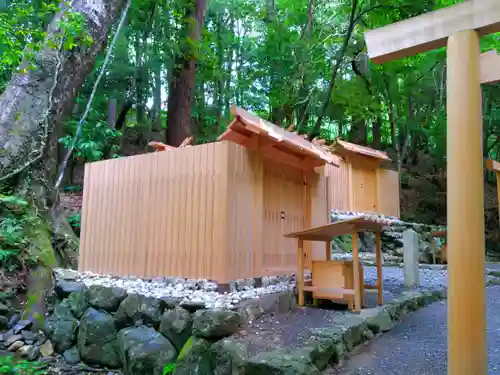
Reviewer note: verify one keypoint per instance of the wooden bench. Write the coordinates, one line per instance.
(335, 280)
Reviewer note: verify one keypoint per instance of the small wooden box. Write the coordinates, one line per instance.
(335, 274)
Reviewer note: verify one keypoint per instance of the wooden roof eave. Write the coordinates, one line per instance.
(256, 135)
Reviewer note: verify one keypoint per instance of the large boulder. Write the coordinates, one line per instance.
(176, 325)
(106, 298)
(144, 351)
(62, 327)
(214, 324)
(228, 357)
(279, 363)
(64, 288)
(136, 308)
(378, 319)
(196, 360)
(78, 303)
(97, 339)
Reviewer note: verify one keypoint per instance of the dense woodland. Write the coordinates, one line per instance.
(173, 69)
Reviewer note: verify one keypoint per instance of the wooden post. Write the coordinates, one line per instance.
(380, 277)
(492, 165)
(465, 201)
(498, 191)
(300, 272)
(355, 266)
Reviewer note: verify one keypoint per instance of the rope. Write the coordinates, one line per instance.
(79, 129)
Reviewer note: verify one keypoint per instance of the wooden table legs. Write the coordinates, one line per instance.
(300, 272)
(380, 277)
(355, 265)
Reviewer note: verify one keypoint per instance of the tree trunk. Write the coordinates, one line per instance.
(182, 81)
(34, 104)
(25, 128)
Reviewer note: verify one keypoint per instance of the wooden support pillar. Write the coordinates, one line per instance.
(356, 275)
(467, 353)
(497, 174)
(300, 272)
(380, 277)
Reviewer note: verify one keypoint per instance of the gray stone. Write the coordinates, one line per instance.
(72, 356)
(9, 340)
(318, 352)
(145, 351)
(106, 298)
(15, 346)
(78, 303)
(13, 320)
(61, 327)
(377, 319)
(278, 363)
(28, 335)
(196, 360)
(368, 334)
(176, 325)
(47, 350)
(97, 339)
(411, 257)
(4, 322)
(136, 307)
(64, 288)
(216, 323)
(30, 352)
(228, 357)
(4, 310)
(66, 274)
(353, 329)
(21, 325)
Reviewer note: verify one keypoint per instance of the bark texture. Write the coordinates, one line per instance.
(183, 78)
(27, 132)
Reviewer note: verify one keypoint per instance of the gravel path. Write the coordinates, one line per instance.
(417, 345)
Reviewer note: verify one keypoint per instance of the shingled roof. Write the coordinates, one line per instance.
(254, 132)
(346, 149)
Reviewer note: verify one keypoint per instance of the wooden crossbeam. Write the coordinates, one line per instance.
(431, 30)
(489, 67)
(493, 165)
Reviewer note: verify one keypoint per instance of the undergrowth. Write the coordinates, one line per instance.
(16, 219)
(10, 366)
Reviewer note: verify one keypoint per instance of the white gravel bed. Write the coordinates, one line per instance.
(187, 290)
(393, 276)
(204, 292)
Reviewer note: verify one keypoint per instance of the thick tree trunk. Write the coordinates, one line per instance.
(182, 80)
(25, 129)
(33, 106)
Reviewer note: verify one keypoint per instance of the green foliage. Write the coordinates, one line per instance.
(96, 138)
(16, 221)
(10, 366)
(169, 368)
(75, 220)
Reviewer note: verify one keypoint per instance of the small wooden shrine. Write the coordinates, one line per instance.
(216, 211)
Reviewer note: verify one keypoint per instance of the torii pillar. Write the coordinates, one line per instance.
(458, 27)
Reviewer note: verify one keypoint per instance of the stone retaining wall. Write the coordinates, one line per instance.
(392, 237)
(108, 326)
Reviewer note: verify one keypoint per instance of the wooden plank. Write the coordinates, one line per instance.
(489, 67)
(431, 30)
(498, 192)
(338, 228)
(380, 277)
(300, 272)
(493, 165)
(356, 275)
